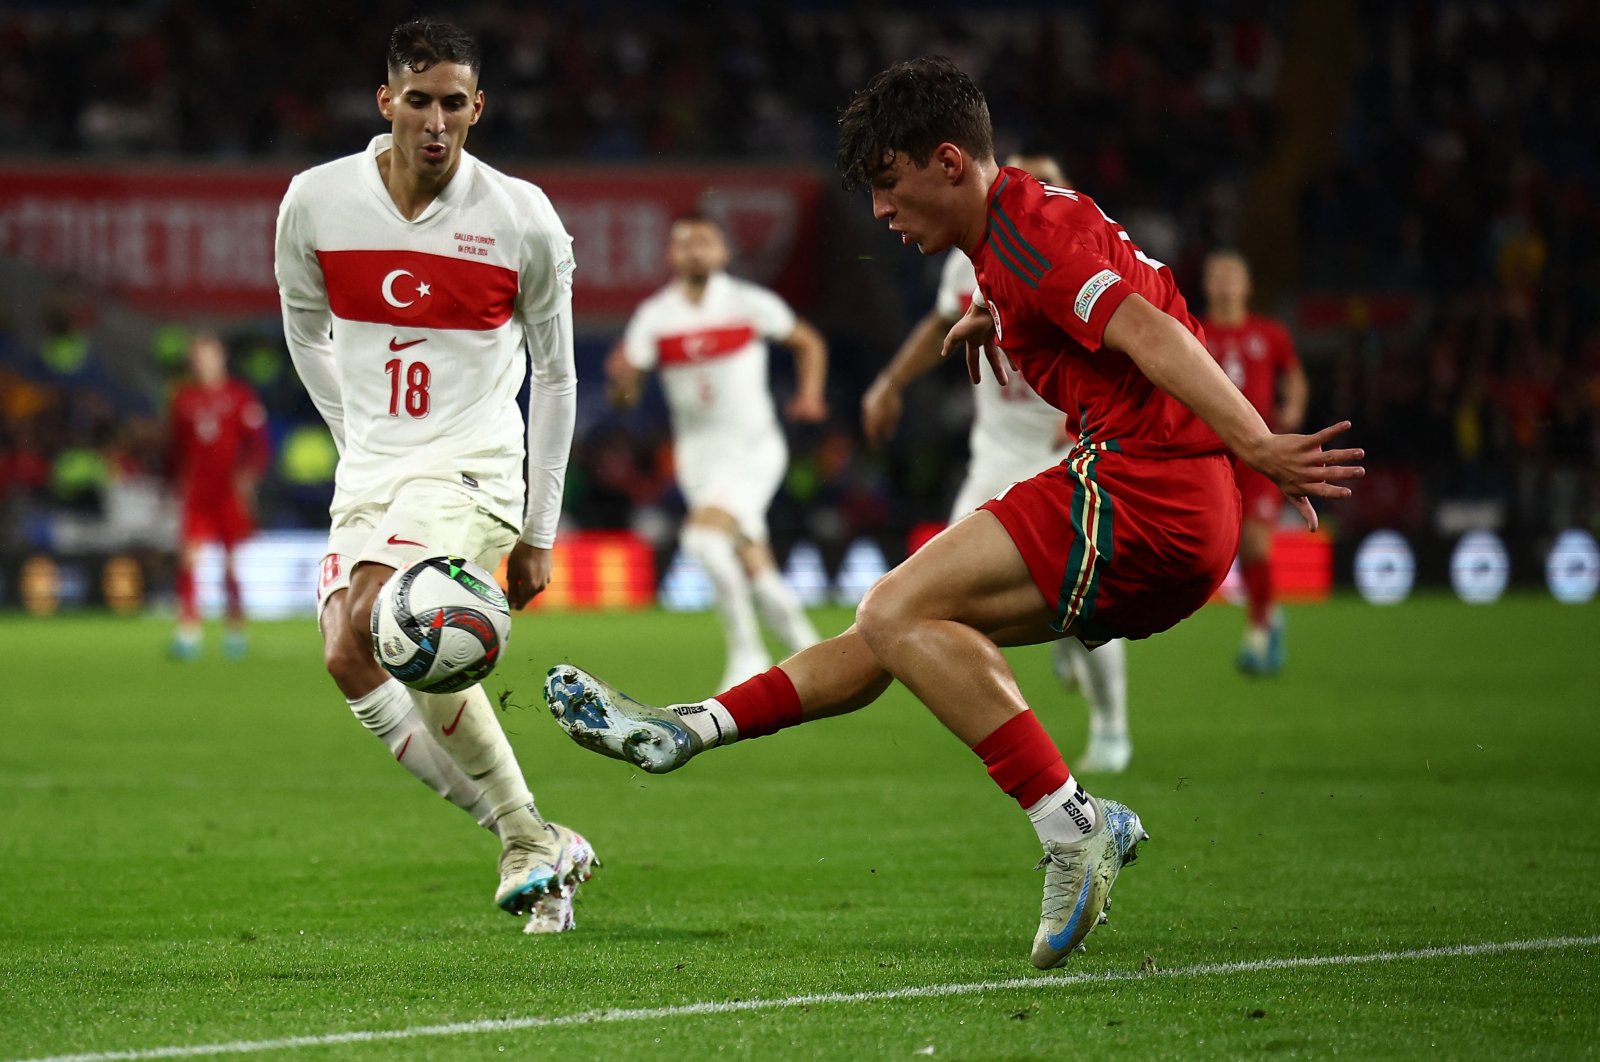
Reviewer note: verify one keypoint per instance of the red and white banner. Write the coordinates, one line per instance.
(176, 240)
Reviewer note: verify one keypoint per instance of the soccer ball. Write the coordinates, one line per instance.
(439, 625)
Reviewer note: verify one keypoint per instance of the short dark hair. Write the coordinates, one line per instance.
(424, 42)
(698, 217)
(912, 107)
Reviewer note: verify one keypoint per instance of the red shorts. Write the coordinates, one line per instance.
(1260, 497)
(221, 520)
(1124, 547)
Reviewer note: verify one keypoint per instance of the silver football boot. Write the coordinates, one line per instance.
(606, 720)
(1078, 876)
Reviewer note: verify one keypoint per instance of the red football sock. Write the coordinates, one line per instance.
(187, 612)
(763, 705)
(1023, 760)
(1258, 590)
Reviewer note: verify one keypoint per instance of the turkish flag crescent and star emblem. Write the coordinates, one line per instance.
(418, 290)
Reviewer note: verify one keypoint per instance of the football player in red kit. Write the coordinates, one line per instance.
(1258, 356)
(1133, 532)
(218, 433)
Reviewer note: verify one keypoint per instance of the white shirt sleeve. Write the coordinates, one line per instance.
(545, 278)
(310, 342)
(639, 342)
(307, 322)
(771, 316)
(545, 305)
(957, 281)
(552, 417)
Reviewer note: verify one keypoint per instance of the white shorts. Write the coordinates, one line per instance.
(738, 476)
(985, 479)
(427, 518)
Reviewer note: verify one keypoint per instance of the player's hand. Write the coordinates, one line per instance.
(975, 332)
(1300, 466)
(622, 380)
(527, 573)
(880, 411)
(806, 409)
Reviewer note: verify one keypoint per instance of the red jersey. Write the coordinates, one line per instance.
(1053, 268)
(216, 432)
(1255, 354)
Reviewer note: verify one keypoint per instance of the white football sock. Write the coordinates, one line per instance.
(467, 729)
(781, 612)
(717, 555)
(389, 712)
(709, 721)
(1103, 677)
(1065, 815)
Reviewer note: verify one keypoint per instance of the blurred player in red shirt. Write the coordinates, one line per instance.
(1258, 356)
(218, 449)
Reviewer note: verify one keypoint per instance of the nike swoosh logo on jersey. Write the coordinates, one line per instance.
(451, 729)
(395, 344)
(396, 540)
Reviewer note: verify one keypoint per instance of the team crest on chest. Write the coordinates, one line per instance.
(406, 292)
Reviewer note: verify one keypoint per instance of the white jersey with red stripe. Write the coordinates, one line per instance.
(428, 319)
(1015, 433)
(712, 354)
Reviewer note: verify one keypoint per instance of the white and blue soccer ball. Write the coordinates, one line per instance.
(440, 625)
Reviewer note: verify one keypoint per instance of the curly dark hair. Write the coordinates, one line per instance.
(912, 107)
(423, 42)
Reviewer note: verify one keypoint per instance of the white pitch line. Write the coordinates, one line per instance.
(686, 1010)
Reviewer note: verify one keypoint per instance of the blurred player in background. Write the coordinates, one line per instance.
(707, 333)
(1015, 434)
(218, 451)
(411, 276)
(1132, 534)
(1259, 357)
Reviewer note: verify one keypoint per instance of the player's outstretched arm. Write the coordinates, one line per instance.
(917, 356)
(1173, 359)
(809, 404)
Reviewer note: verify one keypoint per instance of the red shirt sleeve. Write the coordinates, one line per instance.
(1080, 293)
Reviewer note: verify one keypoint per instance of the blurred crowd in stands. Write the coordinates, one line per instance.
(1455, 233)
(1469, 181)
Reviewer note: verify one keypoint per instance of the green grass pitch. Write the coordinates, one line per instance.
(215, 852)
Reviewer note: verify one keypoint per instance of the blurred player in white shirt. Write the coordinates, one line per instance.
(1015, 434)
(412, 276)
(706, 333)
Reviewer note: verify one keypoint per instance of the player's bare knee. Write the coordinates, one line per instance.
(880, 615)
(346, 660)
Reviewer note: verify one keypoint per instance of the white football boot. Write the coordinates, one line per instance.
(531, 869)
(553, 912)
(606, 720)
(1078, 876)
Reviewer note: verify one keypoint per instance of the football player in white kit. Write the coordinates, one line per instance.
(1015, 434)
(707, 332)
(411, 276)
